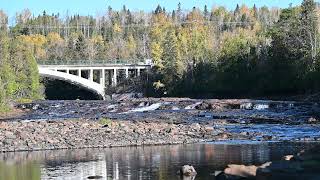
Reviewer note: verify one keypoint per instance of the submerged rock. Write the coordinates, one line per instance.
(95, 177)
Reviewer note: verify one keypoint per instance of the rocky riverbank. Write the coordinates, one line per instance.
(72, 134)
(151, 121)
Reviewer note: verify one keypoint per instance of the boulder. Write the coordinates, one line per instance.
(187, 170)
(203, 106)
(241, 170)
(195, 126)
(312, 120)
(288, 157)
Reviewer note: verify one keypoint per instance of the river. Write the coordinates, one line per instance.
(151, 162)
(268, 130)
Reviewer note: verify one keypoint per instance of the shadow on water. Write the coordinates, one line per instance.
(151, 162)
(61, 90)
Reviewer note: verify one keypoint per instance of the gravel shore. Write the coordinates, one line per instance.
(73, 134)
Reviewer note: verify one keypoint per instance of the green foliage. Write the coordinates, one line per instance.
(33, 78)
(19, 78)
(3, 97)
(105, 121)
(245, 52)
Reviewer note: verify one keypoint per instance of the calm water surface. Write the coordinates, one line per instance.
(130, 163)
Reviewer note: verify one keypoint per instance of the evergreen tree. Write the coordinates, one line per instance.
(179, 12)
(206, 12)
(255, 12)
(173, 71)
(80, 48)
(309, 29)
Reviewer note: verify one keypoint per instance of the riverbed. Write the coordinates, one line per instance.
(238, 118)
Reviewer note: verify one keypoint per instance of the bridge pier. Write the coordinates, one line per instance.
(91, 75)
(114, 77)
(127, 73)
(103, 78)
(79, 72)
(138, 72)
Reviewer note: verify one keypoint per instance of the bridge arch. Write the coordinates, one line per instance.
(73, 79)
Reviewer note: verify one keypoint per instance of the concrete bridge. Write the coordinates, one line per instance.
(93, 75)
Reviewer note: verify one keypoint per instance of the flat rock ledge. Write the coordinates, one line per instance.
(75, 134)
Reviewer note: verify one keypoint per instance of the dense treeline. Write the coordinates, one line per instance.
(248, 51)
(131, 35)
(19, 78)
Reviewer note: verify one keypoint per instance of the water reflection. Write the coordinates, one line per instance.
(26, 170)
(130, 163)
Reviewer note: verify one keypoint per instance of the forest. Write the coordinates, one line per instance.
(202, 52)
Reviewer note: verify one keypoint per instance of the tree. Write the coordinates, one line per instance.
(3, 96)
(55, 47)
(131, 47)
(6, 71)
(179, 12)
(206, 13)
(3, 20)
(309, 29)
(255, 11)
(172, 58)
(156, 54)
(285, 35)
(80, 48)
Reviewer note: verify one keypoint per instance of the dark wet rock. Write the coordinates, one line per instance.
(204, 106)
(309, 154)
(267, 137)
(95, 177)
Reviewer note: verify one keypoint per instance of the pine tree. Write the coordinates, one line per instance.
(158, 10)
(237, 10)
(174, 69)
(255, 12)
(179, 12)
(206, 13)
(33, 77)
(80, 48)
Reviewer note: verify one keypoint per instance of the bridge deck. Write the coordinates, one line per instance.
(94, 62)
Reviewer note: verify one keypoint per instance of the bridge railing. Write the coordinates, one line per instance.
(94, 62)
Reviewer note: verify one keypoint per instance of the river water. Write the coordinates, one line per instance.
(286, 122)
(151, 162)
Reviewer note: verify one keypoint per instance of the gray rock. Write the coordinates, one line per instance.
(187, 170)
